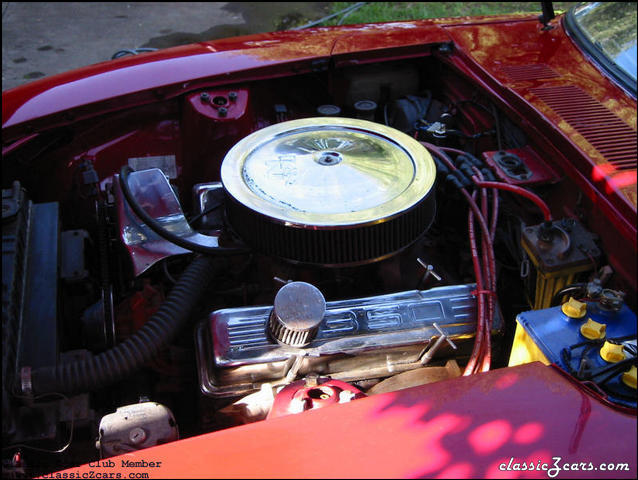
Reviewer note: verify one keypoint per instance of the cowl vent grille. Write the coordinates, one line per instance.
(521, 73)
(605, 131)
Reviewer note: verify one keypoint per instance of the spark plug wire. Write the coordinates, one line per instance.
(519, 191)
(484, 264)
(485, 273)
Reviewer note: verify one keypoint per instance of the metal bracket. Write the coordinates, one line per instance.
(443, 338)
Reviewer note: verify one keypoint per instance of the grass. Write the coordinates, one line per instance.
(395, 11)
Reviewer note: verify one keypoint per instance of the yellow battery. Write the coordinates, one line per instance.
(549, 284)
(524, 350)
(559, 251)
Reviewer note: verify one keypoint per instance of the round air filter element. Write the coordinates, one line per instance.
(329, 191)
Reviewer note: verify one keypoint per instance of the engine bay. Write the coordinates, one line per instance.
(265, 248)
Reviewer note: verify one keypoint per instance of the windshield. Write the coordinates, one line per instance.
(608, 31)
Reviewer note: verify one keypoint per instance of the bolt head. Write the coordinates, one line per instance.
(137, 435)
(312, 380)
(222, 111)
(232, 96)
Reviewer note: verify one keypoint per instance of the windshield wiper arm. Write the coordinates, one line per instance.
(547, 15)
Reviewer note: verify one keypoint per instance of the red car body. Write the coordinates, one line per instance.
(581, 121)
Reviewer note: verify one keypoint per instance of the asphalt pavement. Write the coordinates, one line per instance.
(40, 39)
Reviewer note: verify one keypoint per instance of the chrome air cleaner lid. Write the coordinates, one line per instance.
(328, 174)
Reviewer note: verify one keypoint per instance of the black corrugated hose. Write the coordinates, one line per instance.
(122, 360)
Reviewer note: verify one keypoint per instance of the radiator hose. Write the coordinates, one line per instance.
(108, 367)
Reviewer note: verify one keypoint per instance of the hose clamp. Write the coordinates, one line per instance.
(525, 267)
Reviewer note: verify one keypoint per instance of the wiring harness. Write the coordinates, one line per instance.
(466, 172)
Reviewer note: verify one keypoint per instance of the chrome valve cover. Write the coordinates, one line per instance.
(358, 339)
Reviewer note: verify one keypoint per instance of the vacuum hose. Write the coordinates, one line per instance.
(125, 358)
